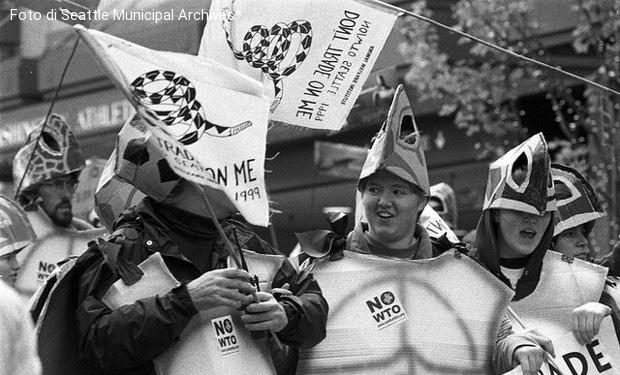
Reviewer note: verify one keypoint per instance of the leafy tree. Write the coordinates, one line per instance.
(481, 91)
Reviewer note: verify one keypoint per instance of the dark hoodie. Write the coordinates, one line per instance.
(486, 251)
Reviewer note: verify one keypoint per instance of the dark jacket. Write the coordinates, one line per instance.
(130, 337)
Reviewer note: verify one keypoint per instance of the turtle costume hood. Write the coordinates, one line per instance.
(535, 195)
(446, 195)
(397, 148)
(577, 200)
(51, 150)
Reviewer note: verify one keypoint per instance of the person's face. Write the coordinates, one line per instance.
(573, 242)
(519, 232)
(391, 206)
(56, 194)
(9, 267)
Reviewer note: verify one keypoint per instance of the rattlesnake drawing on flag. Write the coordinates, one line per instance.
(313, 56)
(209, 120)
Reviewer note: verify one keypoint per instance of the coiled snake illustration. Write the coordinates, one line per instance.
(278, 51)
(171, 98)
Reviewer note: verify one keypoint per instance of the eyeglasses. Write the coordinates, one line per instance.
(59, 184)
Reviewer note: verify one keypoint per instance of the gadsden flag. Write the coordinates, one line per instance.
(313, 56)
(209, 120)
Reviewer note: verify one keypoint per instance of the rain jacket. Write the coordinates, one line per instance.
(127, 339)
(507, 341)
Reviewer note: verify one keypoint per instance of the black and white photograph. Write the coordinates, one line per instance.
(308, 187)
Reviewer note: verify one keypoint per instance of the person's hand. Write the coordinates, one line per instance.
(223, 287)
(267, 314)
(587, 321)
(284, 290)
(530, 357)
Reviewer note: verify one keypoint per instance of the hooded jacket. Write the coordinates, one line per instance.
(487, 252)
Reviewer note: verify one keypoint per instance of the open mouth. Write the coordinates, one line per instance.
(528, 233)
(385, 215)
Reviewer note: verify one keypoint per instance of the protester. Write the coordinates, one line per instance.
(18, 353)
(394, 189)
(178, 226)
(46, 171)
(443, 201)
(578, 210)
(517, 224)
(15, 234)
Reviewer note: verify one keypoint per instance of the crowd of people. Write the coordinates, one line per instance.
(182, 285)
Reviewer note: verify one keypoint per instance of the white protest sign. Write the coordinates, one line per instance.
(390, 316)
(210, 121)
(565, 284)
(601, 356)
(53, 245)
(312, 55)
(215, 340)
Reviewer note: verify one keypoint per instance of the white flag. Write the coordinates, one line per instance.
(312, 55)
(209, 120)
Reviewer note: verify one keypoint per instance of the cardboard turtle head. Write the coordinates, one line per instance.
(536, 193)
(15, 229)
(397, 148)
(576, 199)
(51, 150)
(140, 162)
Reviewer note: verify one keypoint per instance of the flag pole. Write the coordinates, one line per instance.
(47, 116)
(231, 252)
(394, 8)
(220, 230)
(520, 322)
